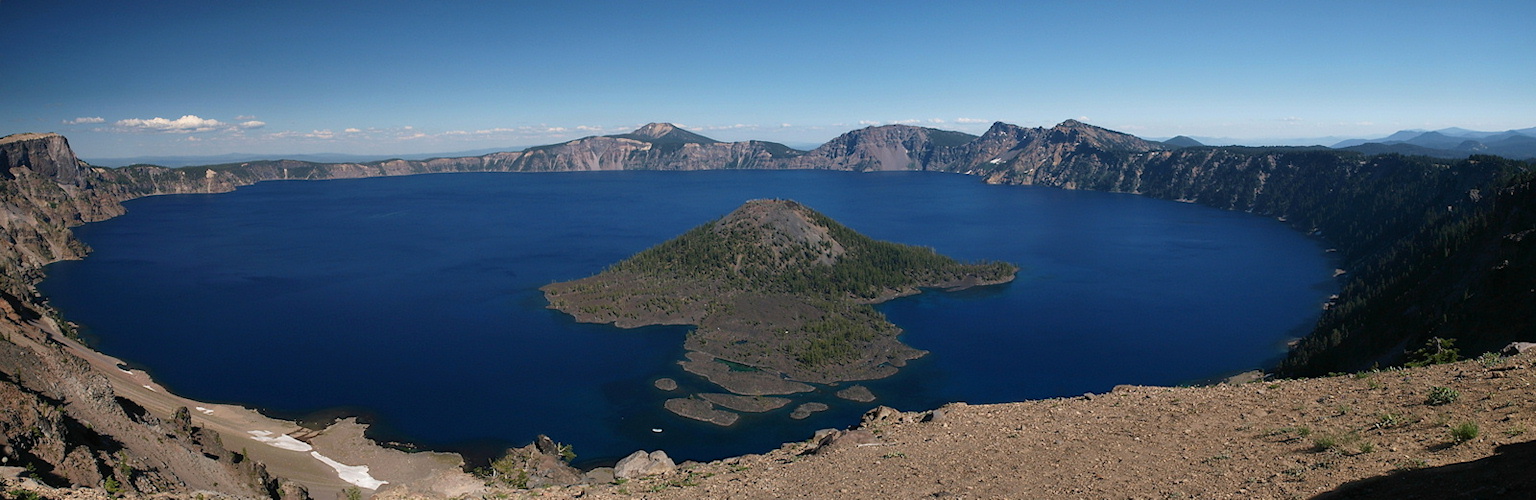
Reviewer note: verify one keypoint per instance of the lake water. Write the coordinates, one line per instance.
(413, 300)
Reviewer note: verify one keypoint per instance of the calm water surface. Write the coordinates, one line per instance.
(414, 301)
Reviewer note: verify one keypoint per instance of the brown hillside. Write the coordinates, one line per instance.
(1373, 433)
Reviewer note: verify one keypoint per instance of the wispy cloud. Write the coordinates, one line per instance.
(85, 119)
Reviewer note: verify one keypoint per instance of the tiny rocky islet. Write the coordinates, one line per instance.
(780, 296)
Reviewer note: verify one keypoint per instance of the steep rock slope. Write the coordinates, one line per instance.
(61, 418)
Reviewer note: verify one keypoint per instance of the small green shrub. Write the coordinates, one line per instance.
(1389, 420)
(1490, 359)
(1442, 396)
(113, 487)
(1330, 441)
(1467, 431)
(1435, 351)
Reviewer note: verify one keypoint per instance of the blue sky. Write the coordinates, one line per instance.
(388, 77)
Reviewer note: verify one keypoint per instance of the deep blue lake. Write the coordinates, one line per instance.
(414, 301)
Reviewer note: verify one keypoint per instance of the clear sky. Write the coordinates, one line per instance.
(167, 77)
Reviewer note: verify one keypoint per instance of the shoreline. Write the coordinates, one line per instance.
(327, 462)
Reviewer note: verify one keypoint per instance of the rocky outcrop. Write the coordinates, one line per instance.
(47, 155)
(640, 464)
(883, 148)
(44, 190)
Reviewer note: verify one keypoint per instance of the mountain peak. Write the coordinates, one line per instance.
(1183, 141)
(654, 130)
(781, 225)
(666, 133)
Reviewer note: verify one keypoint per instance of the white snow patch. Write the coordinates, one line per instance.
(284, 441)
(150, 388)
(205, 410)
(355, 474)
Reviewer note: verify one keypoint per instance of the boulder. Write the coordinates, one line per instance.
(640, 464)
(881, 415)
(836, 440)
(600, 475)
(1518, 348)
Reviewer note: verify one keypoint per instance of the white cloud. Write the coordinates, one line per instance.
(352, 130)
(245, 117)
(252, 124)
(971, 120)
(1083, 119)
(85, 119)
(185, 124)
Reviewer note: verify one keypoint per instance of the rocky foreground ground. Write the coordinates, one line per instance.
(1367, 435)
(1461, 430)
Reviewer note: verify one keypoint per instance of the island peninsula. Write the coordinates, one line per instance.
(780, 296)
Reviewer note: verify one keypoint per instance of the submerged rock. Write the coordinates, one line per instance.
(857, 393)
(700, 410)
(752, 404)
(805, 410)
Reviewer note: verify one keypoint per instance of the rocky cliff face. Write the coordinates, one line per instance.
(59, 418)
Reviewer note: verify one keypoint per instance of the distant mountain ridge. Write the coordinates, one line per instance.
(1451, 142)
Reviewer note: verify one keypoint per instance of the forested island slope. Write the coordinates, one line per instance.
(777, 287)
